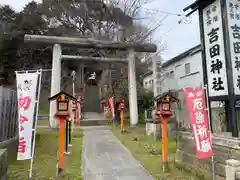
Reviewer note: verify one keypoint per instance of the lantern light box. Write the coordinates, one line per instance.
(62, 102)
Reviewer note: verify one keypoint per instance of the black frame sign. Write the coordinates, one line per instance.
(62, 104)
(74, 106)
(220, 40)
(215, 61)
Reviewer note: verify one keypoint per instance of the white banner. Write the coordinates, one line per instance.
(26, 92)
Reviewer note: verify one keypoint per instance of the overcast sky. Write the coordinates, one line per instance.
(178, 37)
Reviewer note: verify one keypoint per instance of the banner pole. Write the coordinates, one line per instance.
(66, 136)
(70, 134)
(73, 112)
(209, 124)
(35, 124)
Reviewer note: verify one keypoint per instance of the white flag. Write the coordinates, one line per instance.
(26, 94)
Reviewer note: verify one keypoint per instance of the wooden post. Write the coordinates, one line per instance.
(122, 120)
(164, 145)
(110, 114)
(61, 147)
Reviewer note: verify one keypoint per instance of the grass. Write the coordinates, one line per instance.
(43, 122)
(148, 152)
(43, 110)
(45, 159)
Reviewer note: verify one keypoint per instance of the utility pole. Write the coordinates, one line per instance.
(71, 123)
(73, 74)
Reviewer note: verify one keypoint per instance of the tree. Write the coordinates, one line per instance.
(145, 101)
(17, 55)
(116, 21)
(7, 49)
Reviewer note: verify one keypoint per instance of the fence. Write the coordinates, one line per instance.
(8, 113)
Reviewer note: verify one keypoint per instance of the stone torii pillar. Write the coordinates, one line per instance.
(132, 88)
(55, 83)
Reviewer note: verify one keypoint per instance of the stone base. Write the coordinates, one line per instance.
(153, 129)
(67, 153)
(232, 167)
(3, 164)
(224, 148)
(11, 145)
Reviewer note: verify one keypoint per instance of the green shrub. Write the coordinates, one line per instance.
(145, 101)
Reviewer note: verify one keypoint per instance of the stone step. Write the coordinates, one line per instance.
(95, 122)
(43, 117)
(84, 122)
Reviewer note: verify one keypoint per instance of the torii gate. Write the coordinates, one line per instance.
(58, 41)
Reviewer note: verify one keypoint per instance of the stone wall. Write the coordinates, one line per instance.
(3, 164)
(11, 145)
(224, 148)
(8, 149)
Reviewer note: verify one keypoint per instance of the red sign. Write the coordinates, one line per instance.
(197, 112)
(78, 110)
(111, 106)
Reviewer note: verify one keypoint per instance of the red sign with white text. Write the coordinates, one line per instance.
(111, 106)
(195, 99)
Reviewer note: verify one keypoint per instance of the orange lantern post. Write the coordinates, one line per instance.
(111, 108)
(121, 109)
(164, 112)
(62, 113)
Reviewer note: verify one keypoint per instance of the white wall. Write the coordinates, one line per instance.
(175, 76)
(148, 82)
(153, 65)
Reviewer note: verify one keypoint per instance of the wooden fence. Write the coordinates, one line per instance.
(8, 113)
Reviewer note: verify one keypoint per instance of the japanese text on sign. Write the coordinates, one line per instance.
(26, 86)
(198, 115)
(233, 8)
(214, 48)
(23, 103)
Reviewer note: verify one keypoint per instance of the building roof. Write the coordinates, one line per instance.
(162, 96)
(149, 73)
(62, 92)
(198, 4)
(177, 58)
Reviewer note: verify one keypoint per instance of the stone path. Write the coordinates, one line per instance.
(105, 158)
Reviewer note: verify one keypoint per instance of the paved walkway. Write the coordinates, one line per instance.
(105, 158)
